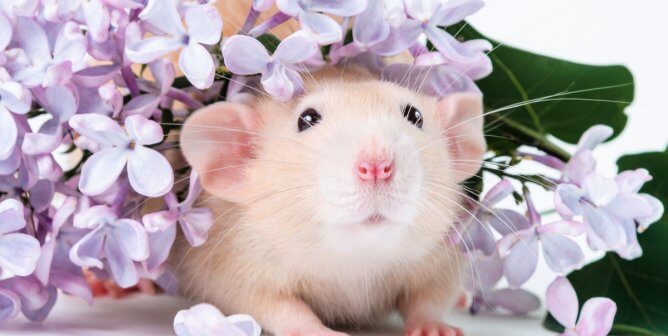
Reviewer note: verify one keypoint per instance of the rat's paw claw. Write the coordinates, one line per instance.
(433, 329)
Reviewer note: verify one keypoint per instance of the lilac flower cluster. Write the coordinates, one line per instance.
(85, 88)
(608, 211)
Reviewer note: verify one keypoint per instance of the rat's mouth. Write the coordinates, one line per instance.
(374, 219)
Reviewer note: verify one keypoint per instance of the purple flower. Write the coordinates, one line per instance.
(149, 172)
(203, 26)
(596, 317)
(45, 58)
(35, 299)
(10, 304)
(120, 242)
(310, 14)
(583, 162)
(520, 249)
(14, 98)
(146, 104)
(206, 320)
(61, 103)
(477, 234)
(195, 223)
(245, 55)
(488, 271)
(18, 251)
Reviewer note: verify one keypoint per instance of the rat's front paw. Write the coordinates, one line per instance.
(432, 329)
(315, 331)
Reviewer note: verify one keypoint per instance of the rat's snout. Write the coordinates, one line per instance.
(376, 166)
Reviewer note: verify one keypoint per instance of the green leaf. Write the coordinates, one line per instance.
(520, 76)
(639, 287)
(269, 41)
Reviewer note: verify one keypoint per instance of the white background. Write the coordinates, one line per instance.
(633, 33)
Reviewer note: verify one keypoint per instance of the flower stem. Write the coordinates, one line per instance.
(623, 329)
(272, 22)
(185, 98)
(536, 139)
(130, 81)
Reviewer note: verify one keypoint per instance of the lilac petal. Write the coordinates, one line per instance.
(597, 317)
(204, 24)
(74, 285)
(450, 46)
(345, 8)
(517, 301)
(159, 221)
(143, 131)
(631, 181)
(290, 7)
(488, 271)
(629, 206)
(244, 55)
(93, 217)
(277, 83)
(30, 37)
(87, 251)
(246, 324)
(498, 192)
(196, 63)
(521, 262)
(160, 243)
(11, 163)
(455, 11)
(45, 141)
(10, 305)
(580, 165)
(600, 190)
(8, 133)
(194, 190)
(95, 76)
(70, 44)
(296, 48)
(164, 16)
(324, 28)
(58, 74)
(567, 199)
(152, 48)
(421, 10)
(163, 72)
(143, 105)
(478, 237)
(562, 302)
(370, 26)
(60, 102)
(41, 195)
(122, 268)
(631, 250)
(11, 216)
(149, 172)
(506, 221)
(39, 314)
(204, 320)
(562, 227)
(15, 97)
(657, 212)
(100, 129)
(594, 136)
(399, 39)
(562, 254)
(195, 225)
(103, 169)
(262, 5)
(97, 19)
(5, 36)
(18, 254)
(131, 238)
(609, 230)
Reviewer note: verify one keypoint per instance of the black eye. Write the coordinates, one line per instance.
(413, 115)
(309, 118)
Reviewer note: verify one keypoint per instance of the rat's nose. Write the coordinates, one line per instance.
(371, 170)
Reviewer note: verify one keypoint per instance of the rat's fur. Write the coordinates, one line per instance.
(294, 247)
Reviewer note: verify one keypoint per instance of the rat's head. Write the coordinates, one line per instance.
(350, 159)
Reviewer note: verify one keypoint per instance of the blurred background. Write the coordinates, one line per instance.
(632, 33)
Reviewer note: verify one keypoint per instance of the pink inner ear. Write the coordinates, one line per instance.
(217, 142)
(462, 123)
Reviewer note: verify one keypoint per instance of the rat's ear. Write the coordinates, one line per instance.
(216, 141)
(461, 120)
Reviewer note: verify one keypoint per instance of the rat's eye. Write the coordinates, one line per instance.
(309, 118)
(413, 115)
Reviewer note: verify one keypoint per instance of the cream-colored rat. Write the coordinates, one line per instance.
(332, 209)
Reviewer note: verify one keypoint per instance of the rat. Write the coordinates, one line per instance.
(332, 209)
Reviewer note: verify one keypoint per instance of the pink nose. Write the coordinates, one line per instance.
(373, 170)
